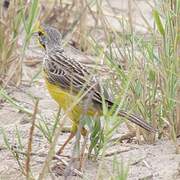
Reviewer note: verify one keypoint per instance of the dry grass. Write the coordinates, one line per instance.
(9, 33)
(13, 19)
(144, 68)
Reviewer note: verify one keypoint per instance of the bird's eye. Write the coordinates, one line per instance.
(40, 33)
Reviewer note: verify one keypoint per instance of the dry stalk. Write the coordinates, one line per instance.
(8, 42)
(79, 173)
(82, 27)
(29, 149)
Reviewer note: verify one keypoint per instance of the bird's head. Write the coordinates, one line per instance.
(48, 37)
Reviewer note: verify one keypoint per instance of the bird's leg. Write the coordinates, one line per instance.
(83, 131)
(77, 142)
(74, 157)
(72, 134)
(85, 136)
(65, 143)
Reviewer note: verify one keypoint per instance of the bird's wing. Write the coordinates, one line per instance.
(71, 75)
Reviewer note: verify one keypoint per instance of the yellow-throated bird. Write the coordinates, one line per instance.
(65, 77)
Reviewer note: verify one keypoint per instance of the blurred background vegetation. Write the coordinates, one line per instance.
(143, 66)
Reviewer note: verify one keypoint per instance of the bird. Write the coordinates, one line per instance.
(66, 77)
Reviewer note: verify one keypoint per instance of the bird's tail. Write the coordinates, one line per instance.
(133, 118)
(137, 120)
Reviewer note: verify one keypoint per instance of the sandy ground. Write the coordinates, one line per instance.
(157, 161)
(146, 162)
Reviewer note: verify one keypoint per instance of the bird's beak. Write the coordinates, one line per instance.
(37, 27)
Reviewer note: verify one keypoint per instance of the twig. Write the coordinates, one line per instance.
(137, 161)
(146, 177)
(29, 150)
(34, 154)
(146, 164)
(79, 173)
(124, 137)
(116, 152)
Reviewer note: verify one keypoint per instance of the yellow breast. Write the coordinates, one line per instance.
(65, 100)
